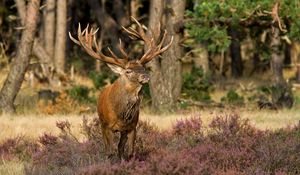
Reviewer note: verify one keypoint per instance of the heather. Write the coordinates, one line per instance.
(228, 145)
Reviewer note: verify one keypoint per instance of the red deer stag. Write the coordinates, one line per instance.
(118, 105)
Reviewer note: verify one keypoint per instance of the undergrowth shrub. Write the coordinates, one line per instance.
(148, 139)
(64, 104)
(64, 154)
(80, 94)
(233, 98)
(101, 79)
(232, 141)
(229, 145)
(196, 85)
(187, 133)
(92, 129)
(146, 95)
(279, 150)
(17, 148)
(275, 97)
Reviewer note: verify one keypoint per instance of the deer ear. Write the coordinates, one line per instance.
(116, 69)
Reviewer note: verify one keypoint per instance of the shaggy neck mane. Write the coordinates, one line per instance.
(127, 98)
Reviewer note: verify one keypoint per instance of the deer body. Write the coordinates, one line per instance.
(119, 103)
(118, 110)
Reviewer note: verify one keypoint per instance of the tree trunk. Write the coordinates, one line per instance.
(49, 25)
(121, 16)
(108, 24)
(298, 73)
(295, 59)
(282, 95)
(202, 59)
(98, 62)
(61, 35)
(166, 80)
(287, 54)
(19, 65)
(235, 52)
(276, 58)
(134, 8)
(21, 6)
(38, 50)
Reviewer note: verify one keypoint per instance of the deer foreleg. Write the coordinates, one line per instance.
(131, 143)
(108, 140)
(121, 145)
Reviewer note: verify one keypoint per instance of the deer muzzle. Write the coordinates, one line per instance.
(144, 78)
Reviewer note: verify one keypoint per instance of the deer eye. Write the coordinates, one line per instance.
(128, 71)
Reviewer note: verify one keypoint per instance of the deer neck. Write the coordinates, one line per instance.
(127, 88)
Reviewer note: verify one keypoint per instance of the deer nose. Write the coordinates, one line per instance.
(145, 78)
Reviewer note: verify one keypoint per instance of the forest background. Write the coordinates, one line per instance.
(231, 60)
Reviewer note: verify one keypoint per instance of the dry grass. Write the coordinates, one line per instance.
(263, 119)
(33, 126)
(12, 168)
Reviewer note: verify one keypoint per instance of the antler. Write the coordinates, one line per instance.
(87, 39)
(152, 49)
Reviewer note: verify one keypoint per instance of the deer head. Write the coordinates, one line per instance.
(132, 69)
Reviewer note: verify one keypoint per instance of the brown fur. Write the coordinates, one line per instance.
(118, 110)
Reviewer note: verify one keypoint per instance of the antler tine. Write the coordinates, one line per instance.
(96, 31)
(122, 50)
(112, 53)
(131, 32)
(90, 38)
(141, 31)
(151, 48)
(98, 48)
(145, 56)
(163, 39)
(73, 39)
(166, 47)
(79, 29)
(85, 32)
(136, 21)
(155, 51)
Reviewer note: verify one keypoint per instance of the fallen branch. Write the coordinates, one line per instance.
(200, 104)
(296, 85)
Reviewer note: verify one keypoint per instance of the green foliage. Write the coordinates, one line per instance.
(274, 97)
(99, 78)
(290, 10)
(216, 36)
(3, 9)
(196, 85)
(146, 91)
(208, 24)
(78, 64)
(297, 100)
(210, 20)
(281, 95)
(232, 97)
(80, 94)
